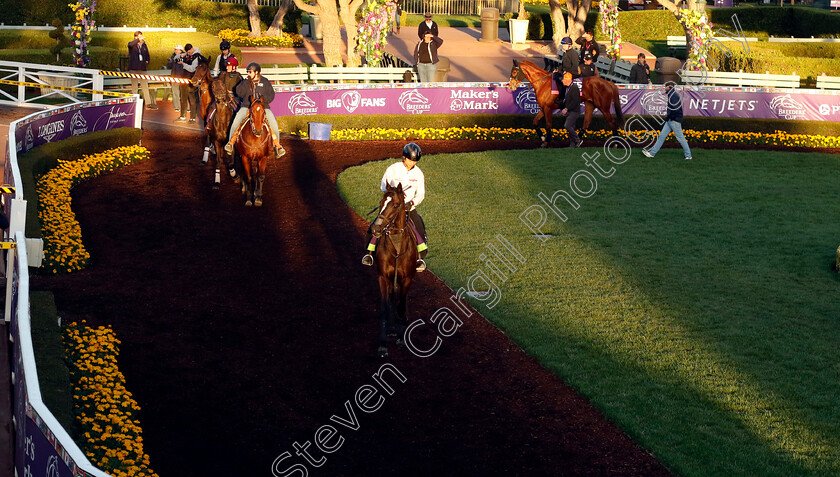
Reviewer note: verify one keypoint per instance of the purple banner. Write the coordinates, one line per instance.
(41, 457)
(495, 98)
(74, 120)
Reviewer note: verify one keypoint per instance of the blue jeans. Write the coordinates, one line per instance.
(426, 72)
(667, 128)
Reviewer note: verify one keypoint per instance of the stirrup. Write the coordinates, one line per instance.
(367, 260)
(229, 148)
(279, 151)
(421, 265)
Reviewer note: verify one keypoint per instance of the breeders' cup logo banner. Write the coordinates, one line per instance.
(399, 99)
(52, 126)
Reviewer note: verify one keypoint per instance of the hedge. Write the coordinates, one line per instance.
(38, 161)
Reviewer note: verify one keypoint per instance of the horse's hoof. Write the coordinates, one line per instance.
(258, 202)
(204, 162)
(248, 203)
(215, 186)
(232, 173)
(382, 352)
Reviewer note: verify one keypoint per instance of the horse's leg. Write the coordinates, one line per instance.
(384, 313)
(548, 132)
(259, 179)
(587, 118)
(402, 305)
(220, 154)
(537, 125)
(609, 118)
(206, 149)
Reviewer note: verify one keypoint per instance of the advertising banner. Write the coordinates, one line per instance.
(496, 98)
(74, 120)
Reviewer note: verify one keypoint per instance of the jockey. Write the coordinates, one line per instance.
(221, 60)
(245, 90)
(231, 77)
(414, 187)
(570, 64)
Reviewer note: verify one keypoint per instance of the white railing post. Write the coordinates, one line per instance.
(98, 85)
(21, 88)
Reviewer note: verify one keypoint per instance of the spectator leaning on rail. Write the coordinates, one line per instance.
(221, 60)
(570, 63)
(138, 62)
(413, 183)
(426, 57)
(571, 108)
(245, 90)
(640, 72)
(588, 45)
(175, 63)
(427, 25)
(673, 122)
(188, 91)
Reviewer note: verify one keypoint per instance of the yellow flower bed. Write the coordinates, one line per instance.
(239, 37)
(63, 247)
(779, 138)
(105, 410)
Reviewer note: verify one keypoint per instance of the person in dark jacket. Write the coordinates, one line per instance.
(588, 45)
(176, 64)
(569, 63)
(588, 68)
(427, 25)
(640, 72)
(189, 93)
(673, 122)
(426, 57)
(246, 90)
(138, 61)
(571, 109)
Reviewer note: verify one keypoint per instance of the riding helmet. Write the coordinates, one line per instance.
(224, 45)
(233, 61)
(566, 40)
(412, 151)
(254, 67)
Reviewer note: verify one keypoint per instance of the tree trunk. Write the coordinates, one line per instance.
(558, 21)
(254, 18)
(276, 28)
(332, 31)
(692, 5)
(348, 16)
(577, 11)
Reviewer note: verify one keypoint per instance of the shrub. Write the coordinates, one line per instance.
(240, 37)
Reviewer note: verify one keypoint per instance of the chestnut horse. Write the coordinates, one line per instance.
(202, 79)
(255, 146)
(218, 126)
(396, 264)
(596, 93)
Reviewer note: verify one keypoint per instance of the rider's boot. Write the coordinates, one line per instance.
(233, 138)
(278, 149)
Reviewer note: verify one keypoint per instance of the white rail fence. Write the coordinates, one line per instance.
(68, 76)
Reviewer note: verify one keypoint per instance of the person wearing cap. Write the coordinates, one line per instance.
(138, 62)
(588, 69)
(231, 77)
(221, 60)
(571, 109)
(588, 45)
(570, 63)
(426, 56)
(413, 183)
(189, 92)
(176, 64)
(427, 25)
(245, 91)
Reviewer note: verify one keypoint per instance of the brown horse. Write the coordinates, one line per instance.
(218, 125)
(396, 264)
(202, 79)
(255, 146)
(596, 93)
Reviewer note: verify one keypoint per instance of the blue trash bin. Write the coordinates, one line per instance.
(319, 131)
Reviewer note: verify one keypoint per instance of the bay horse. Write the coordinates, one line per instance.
(218, 125)
(202, 79)
(255, 146)
(596, 93)
(396, 264)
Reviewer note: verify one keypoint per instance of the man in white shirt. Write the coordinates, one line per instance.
(414, 187)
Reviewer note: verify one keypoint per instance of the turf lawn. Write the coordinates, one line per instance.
(694, 302)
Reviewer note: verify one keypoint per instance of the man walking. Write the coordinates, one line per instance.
(571, 109)
(138, 61)
(673, 122)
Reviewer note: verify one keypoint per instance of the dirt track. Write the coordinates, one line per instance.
(243, 330)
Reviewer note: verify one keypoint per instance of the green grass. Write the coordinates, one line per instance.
(693, 302)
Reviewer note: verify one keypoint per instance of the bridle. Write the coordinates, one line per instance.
(520, 72)
(389, 228)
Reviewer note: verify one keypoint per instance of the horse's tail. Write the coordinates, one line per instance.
(617, 102)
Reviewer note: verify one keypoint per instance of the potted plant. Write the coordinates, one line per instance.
(518, 27)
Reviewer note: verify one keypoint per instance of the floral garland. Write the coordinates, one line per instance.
(609, 26)
(80, 35)
(700, 33)
(373, 30)
(63, 248)
(106, 412)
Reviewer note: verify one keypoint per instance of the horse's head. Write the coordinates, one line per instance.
(202, 73)
(391, 210)
(220, 92)
(516, 76)
(257, 115)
